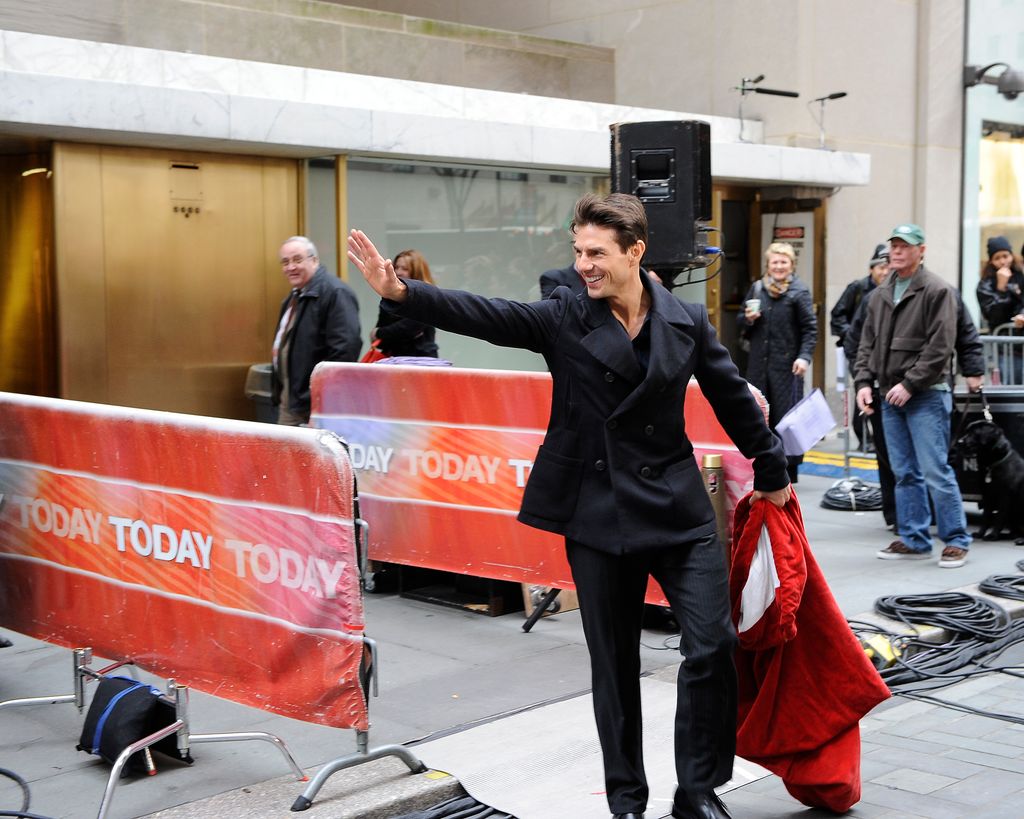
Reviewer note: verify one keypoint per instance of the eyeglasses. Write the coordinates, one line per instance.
(295, 260)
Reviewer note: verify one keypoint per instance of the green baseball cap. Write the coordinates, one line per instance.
(911, 234)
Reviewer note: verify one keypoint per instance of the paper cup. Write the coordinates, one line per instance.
(753, 305)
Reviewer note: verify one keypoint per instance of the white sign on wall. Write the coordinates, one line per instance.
(796, 229)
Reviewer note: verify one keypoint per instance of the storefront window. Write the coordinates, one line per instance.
(486, 230)
(1001, 184)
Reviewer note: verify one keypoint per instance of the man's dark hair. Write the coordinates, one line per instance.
(621, 212)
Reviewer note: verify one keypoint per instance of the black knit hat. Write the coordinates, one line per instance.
(997, 243)
(881, 255)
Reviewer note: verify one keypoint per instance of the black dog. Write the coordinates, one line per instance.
(1002, 472)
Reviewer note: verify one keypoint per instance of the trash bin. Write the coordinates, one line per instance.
(257, 390)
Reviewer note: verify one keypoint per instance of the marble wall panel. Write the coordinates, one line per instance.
(84, 59)
(570, 148)
(942, 69)
(252, 35)
(449, 139)
(397, 54)
(164, 24)
(591, 80)
(362, 91)
(333, 12)
(505, 70)
(286, 82)
(98, 20)
(198, 72)
(334, 129)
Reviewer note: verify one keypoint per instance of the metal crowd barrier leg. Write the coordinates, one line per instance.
(80, 659)
(305, 800)
(363, 752)
(122, 760)
(241, 736)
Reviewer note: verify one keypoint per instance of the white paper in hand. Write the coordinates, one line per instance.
(762, 581)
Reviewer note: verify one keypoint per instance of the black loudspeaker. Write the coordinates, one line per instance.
(667, 165)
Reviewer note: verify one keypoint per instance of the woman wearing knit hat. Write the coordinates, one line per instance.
(1001, 299)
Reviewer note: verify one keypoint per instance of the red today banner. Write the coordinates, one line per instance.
(442, 456)
(219, 553)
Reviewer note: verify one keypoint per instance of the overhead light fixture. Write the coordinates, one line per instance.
(1009, 83)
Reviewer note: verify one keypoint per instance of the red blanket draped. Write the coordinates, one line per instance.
(804, 680)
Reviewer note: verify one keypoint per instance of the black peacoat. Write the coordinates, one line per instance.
(326, 328)
(787, 330)
(616, 470)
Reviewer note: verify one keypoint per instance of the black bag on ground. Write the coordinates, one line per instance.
(124, 711)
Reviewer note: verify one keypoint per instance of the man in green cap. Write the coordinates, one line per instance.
(907, 346)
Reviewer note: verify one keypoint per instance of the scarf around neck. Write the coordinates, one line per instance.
(774, 288)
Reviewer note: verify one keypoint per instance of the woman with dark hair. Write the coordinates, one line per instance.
(1001, 299)
(780, 325)
(405, 336)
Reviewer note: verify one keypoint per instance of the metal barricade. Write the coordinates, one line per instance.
(1004, 356)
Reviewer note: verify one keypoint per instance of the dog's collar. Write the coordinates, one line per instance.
(1006, 457)
(988, 471)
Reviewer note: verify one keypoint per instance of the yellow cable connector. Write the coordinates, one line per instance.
(880, 650)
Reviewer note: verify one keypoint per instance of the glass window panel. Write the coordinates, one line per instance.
(491, 231)
(321, 211)
(1001, 185)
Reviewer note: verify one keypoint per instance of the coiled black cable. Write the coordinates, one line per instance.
(26, 793)
(458, 807)
(980, 632)
(852, 495)
(1010, 586)
(955, 612)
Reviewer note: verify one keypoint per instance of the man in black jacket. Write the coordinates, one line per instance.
(845, 309)
(970, 359)
(567, 276)
(616, 475)
(907, 347)
(319, 321)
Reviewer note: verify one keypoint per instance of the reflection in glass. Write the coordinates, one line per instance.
(490, 231)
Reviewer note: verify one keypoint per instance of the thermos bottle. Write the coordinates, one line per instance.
(714, 483)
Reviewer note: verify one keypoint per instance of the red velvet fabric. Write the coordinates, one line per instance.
(804, 680)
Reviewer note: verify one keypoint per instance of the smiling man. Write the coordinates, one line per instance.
(906, 346)
(617, 477)
(319, 321)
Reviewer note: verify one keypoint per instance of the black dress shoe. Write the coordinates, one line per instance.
(627, 816)
(698, 806)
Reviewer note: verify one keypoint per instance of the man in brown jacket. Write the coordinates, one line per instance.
(906, 345)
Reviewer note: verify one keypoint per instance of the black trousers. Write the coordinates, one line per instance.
(886, 478)
(611, 591)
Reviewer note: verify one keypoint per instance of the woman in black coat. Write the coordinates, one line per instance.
(779, 324)
(405, 336)
(1001, 299)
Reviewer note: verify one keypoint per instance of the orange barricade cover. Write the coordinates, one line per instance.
(219, 553)
(442, 456)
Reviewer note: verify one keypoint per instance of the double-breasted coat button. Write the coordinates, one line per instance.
(649, 429)
(609, 377)
(646, 472)
(599, 465)
(612, 423)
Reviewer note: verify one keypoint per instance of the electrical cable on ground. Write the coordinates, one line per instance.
(980, 632)
(457, 807)
(1010, 586)
(852, 495)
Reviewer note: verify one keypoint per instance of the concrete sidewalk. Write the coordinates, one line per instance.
(443, 669)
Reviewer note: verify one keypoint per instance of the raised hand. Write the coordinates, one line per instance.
(378, 271)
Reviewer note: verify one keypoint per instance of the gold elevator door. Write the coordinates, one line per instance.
(167, 277)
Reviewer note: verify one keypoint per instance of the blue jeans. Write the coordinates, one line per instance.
(917, 435)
